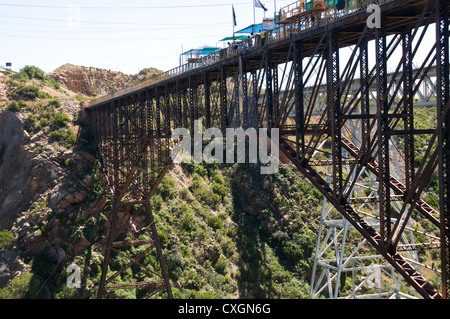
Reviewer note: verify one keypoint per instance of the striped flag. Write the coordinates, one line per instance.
(258, 4)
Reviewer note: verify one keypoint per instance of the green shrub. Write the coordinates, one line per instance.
(56, 136)
(43, 122)
(70, 139)
(31, 118)
(209, 197)
(56, 85)
(60, 120)
(218, 179)
(30, 123)
(188, 220)
(26, 286)
(46, 115)
(162, 235)
(157, 202)
(63, 136)
(167, 187)
(201, 170)
(215, 222)
(184, 194)
(44, 95)
(12, 84)
(6, 239)
(200, 234)
(219, 189)
(191, 167)
(30, 91)
(432, 200)
(66, 293)
(56, 103)
(227, 246)
(192, 281)
(13, 106)
(196, 183)
(221, 265)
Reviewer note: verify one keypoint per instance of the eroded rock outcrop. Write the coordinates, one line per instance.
(10, 266)
(90, 81)
(96, 82)
(23, 175)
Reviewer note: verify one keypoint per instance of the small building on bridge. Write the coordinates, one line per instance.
(194, 56)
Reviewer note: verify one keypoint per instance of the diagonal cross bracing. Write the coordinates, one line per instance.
(298, 82)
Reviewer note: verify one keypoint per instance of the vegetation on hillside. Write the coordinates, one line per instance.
(213, 247)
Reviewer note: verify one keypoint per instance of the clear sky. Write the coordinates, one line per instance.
(122, 36)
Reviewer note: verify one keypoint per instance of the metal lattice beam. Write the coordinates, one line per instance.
(297, 82)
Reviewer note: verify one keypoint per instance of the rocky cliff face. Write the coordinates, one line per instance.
(38, 192)
(96, 82)
(90, 81)
(27, 176)
(23, 177)
(3, 89)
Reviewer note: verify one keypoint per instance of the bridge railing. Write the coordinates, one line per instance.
(324, 17)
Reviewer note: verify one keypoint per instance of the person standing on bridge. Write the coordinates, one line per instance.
(263, 37)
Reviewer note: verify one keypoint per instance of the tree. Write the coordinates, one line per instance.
(32, 72)
(6, 239)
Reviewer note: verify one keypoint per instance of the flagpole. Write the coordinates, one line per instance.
(254, 20)
(234, 21)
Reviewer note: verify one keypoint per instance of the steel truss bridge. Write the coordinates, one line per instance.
(319, 80)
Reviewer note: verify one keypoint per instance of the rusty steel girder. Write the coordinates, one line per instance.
(297, 82)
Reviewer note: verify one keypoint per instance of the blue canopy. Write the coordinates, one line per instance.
(253, 28)
(205, 50)
(237, 37)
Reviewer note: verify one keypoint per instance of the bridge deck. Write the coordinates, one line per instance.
(350, 24)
